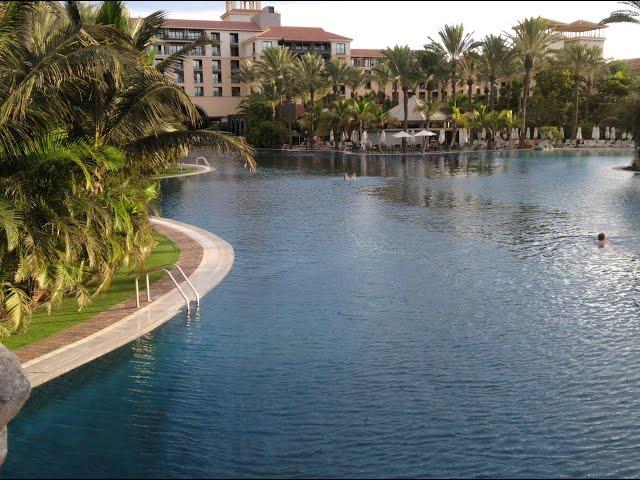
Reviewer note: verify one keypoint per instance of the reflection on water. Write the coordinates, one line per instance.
(481, 163)
(444, 316)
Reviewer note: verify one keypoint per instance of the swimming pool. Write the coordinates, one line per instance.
(441, 317)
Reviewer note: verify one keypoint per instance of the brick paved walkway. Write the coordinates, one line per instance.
(190, 258)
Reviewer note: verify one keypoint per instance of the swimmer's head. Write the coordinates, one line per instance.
(601, 237)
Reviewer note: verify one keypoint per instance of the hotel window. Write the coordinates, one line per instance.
(178, 77)
(199, 91)
(235, 78)
(216, 65)
(215, 36)
(199, 50)
(217, 91)
(233, 37)
(340, 48)
(267, 44)
(367, 63)
(235, 64)
(235, 91)
(174, 48)
(176, 34)
(197, 64)
(217, 78)
(215, 50)
(197, 77)
(235, 51)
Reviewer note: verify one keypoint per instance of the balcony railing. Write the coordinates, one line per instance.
(310, 49)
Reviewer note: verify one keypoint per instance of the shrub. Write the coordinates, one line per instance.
(267, 134)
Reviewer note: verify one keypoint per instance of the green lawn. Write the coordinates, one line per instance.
(175, 170)
(43, 325)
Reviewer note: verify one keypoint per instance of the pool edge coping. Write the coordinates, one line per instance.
(217, 260)
(200, 170)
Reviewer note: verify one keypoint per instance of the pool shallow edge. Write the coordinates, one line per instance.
(217, 260)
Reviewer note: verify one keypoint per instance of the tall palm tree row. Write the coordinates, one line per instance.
(496, 55)
(581, 61)
(405, 69)
(532, 41)
(455, 42)
(85, 121)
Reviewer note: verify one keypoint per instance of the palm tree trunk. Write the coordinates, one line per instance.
(405, 104)
(470, 91)
(425, 147)
(525, 97)
(289, 122)
(587, 94)
(453, 90)
(492, 92)
(574, 121)
(395, 91)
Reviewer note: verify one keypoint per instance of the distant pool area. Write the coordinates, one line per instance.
(442, 316)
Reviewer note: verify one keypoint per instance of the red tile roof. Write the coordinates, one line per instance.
(211, 25)
(366, 52)
(301, 34)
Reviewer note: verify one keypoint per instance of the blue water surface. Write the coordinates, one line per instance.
(448, 316)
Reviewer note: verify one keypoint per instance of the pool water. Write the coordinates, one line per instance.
(441, 317)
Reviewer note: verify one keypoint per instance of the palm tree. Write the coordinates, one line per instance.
(361, 113)
(470, 71)
(382, 76)
(495, 52)
(404, 67)
(594, 65)
(310, 74)
(248, 74)
(579, 60)
(455, 43)
(83, 123)
(276, 67)
(378, 117)
(310, 119)
(355, 79)
(631, 15)
(532, 40)
(428, 109)
(434, 65)
(338, 74)
(492, 122)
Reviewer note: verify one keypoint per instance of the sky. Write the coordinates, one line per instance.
(379, 24)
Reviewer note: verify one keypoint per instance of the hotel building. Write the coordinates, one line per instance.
(210, 77)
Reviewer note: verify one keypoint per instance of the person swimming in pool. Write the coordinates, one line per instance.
(601, 241)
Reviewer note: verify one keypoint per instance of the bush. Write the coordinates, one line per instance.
(267, 134)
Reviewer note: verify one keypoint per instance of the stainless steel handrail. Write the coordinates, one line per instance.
(206, 162)
(189, 283)
(186, 299)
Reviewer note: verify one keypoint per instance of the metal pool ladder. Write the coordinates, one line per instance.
(187, 301)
